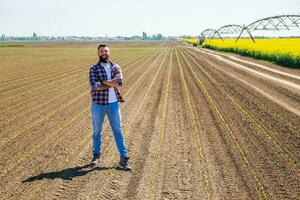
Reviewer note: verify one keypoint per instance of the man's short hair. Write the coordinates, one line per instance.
(102, 45)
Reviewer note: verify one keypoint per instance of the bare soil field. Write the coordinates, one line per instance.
(198, 124)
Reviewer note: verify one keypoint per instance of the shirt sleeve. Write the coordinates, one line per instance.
(93, 78)
(118, 76)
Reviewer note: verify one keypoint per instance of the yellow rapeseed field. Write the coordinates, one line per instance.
(191, 41)
(285, 51)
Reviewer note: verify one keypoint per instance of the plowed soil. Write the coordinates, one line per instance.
(198, 124)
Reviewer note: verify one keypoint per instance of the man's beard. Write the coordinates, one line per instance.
(104, 58)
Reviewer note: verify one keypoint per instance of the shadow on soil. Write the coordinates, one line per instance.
(67, 174)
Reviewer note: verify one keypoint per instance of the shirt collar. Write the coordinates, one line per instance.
(99, 63)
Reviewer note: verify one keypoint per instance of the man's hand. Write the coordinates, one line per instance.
(111, 83)
(103, 87)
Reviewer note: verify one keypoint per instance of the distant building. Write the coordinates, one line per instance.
(145, 36)
(34, 36)
(2, 37)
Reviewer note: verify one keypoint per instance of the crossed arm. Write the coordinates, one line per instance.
(104, 85)
(107, 84)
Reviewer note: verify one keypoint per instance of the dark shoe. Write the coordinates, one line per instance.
(96, 159)
(123, 164)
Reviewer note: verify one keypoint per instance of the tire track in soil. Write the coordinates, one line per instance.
(285, 133)
(271, 171)
(279, 81)
(271, 110)
(288, 91)
(254, 175)
(228, 175)
(261, 67)
(258, 126)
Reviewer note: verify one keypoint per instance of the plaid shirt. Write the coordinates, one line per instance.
(98, 74)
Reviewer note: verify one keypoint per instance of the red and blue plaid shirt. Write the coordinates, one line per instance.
(98, 74)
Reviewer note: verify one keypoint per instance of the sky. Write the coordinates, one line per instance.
(132, 17)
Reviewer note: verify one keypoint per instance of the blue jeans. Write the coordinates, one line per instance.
(114, 116)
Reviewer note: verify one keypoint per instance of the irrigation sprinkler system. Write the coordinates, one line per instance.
(275, 23)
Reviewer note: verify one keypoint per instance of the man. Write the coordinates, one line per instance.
(105, 78)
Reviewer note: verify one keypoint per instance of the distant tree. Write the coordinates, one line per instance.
(157, 36)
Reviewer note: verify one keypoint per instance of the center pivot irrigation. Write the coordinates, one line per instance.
(274, 23)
